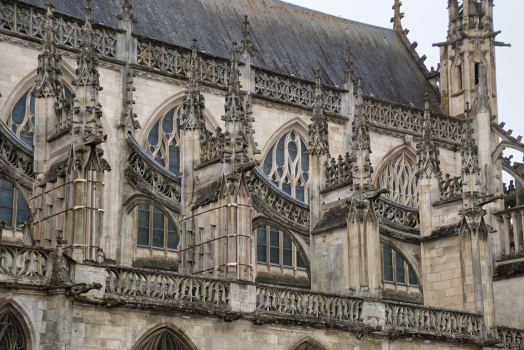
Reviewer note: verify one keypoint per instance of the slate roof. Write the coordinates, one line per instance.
(286, 38)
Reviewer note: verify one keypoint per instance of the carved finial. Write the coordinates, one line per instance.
(193, 107)
(127, 12)
(87, 71)
(246, 47)
(349, 74)
(397, 18)
(49, 81)
(469, 147)
(428, 153)
(318, 129)
(89, 10)
(360, 135)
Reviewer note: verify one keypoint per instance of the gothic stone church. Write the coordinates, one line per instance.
(250, 174)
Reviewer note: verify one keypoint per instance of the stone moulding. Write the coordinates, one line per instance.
(150, 177)
(26, 19)
(174, 60)
(511, 338)
(408, 120)
(278, 205)
(17, 157)
(295, 91)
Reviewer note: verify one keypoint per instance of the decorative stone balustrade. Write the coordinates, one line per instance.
(407, 119)
(24, 261)
(295, 91)
(173, 59)
(274, 202)
(428, 319)
(511, 338)
(157, 285)
(450, 187)
(16, 153)
(510, 226)
(150, 177)
(338, 172)
(397, 213)
(29, 20)
(309, 304)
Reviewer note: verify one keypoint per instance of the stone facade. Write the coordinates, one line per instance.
(157, 196)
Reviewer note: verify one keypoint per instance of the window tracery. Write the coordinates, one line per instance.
(163, 141)
(276, 248)
(11, 333)
(154, 230)
(13, 208)
(395, 269)
(287, 165)
(162, 339)
(398, 176)
(21, 120)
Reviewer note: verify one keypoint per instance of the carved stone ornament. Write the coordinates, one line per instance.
(246, 47)
(318, 129)
(469, 149)
(127, 12)
(233, 181)
(349, 73)
(428, 153)
(194, 105)
(128, 116)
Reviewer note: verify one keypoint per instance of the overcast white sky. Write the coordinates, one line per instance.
(428, 22)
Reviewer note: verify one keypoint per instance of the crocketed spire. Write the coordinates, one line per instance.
(428, 153)
(318, 129)
(193, 107)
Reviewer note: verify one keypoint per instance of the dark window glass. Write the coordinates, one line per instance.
(401, 273)
(412, 278)
(300, 261)
(142, 238)
(6, 202)
(477, 73)
(22, 212)
(280, 151)
(172, 237)
(153, 135)
(274, 242)
(268, 164)
(287, 250)
(388, 263)
(293, 149)
(158, 238)
(261, 244)
(19, 110)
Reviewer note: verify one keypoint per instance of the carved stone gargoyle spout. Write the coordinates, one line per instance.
(82, 288)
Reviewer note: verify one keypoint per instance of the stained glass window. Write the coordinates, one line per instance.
(163, 141)
(287, 165)
(395, 268)
(13, 208)
(282, 251)
(22, 117)
(154, 229)
(12, 335)
(398, 176)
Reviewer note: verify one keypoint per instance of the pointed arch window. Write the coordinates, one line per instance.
(13, 209)
(11, 332)
(287, 165)
(162, 339)
(154, 230)
(21, 120)
(398, 176)
(163, 141)
(276, 248)
(307, 346)
(396, 269)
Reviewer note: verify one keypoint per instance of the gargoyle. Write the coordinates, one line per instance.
(82, 288)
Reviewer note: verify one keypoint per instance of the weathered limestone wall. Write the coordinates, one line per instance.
(508, 306)
(442, 273)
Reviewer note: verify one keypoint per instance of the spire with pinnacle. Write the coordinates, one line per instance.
(470, 151)
(193, 107)
(246, 47)
(318, 129)
(127, 12)
(87, 71)
(49, 81)
(397, 18)
(428, 153)
(349, 74)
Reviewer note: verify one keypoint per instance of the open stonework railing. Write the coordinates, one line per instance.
(450, 187)
(153, 284)
(511, 222)
(309, 304)
(399, 214)
(295, 91)
(16, 153)
(172, 59)
(29, 20)
(272, 200)
(407, 119)
(338, 172)
(511, 338)
(17, 261)
(150, 177)
(428, 319)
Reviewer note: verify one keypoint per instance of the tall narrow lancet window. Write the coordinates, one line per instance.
(13, 209)
(398, 176)
(12, 336)
(162, 339)
(22, 118)
(287, 165)
(163, 141)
